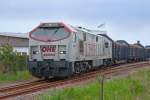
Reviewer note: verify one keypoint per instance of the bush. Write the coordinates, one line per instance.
(11, 62)
(19, 76)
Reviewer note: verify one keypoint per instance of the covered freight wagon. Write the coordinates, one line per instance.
(147, 52)
(120, 51)
(137, 52)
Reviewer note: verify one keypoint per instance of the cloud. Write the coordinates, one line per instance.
(129, 20)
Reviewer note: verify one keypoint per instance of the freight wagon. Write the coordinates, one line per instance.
(147, 52)
(137, 52)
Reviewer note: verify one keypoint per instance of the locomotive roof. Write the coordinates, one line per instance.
(105, 35)
(83, 30)
(70, 27)
(57, 24)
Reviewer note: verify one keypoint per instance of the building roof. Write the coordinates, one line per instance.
(11, 34)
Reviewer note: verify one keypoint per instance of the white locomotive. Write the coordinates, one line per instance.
(61, 50)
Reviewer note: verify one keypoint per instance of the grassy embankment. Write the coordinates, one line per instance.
(19, 76)
(132, 87)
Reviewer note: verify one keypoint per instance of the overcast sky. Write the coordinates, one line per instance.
(124, 19)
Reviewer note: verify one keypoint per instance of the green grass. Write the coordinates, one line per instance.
(20, 75)
(132, 87)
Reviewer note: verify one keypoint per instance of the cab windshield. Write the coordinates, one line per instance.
(50, 33)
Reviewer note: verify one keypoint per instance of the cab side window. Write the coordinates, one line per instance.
(106, 44)
(84, 36)
(74, 37)
(97, 39)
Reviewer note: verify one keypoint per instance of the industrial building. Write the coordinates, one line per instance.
(19, 41)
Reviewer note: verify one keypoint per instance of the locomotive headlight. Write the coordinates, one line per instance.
(62, 52)
(35, 52)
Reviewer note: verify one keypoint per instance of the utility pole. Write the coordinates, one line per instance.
(101, 81)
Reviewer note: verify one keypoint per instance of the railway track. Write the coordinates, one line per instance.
(10, 88)
(35, 86)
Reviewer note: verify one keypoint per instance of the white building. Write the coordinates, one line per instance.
(19, 41)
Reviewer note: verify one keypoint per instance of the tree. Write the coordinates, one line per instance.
(11, 62)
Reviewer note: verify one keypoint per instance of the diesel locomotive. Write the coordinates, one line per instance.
(61, 50)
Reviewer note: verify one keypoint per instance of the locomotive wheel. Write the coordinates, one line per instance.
(77, 70)
(85, 67)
